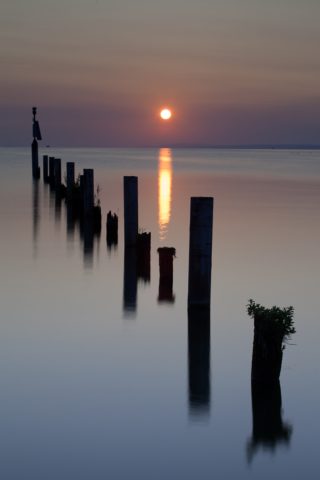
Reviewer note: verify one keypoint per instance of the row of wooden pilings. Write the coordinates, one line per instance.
(200, 243)
(138, 246)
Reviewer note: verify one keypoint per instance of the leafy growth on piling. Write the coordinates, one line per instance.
(279, 319)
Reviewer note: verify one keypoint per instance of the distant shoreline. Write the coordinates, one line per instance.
(238, 147)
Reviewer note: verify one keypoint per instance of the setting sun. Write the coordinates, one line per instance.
(165, 114)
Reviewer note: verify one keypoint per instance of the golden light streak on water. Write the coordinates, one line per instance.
(164, 182)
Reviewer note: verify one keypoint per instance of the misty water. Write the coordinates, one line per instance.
(102, 379)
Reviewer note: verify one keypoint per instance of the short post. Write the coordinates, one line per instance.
(45, 168)
(200, 252)
(130, 190)
(143, 256)
(70, 179)
(81, 191)
(88, 191)
(34, 147)
(166, 256)
(57, 174)
(35, 160)
(51, 171)
(112, 230)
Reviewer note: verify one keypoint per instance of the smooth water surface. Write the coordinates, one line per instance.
(101, 378)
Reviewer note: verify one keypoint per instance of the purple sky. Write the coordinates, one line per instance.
(100, 72)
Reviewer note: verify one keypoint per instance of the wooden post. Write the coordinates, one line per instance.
(57, 174)
(200, 252)
(166, 255)
(45, 168)
(199, 360)
(112, 230)
(70, 179)
(35, 159)
(51, 171)
(130, 190)
(143, 256)
(88, 192)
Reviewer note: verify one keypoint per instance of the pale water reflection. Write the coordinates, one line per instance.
(165, 182)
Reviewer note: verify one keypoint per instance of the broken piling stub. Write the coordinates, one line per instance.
(70, 180)
(88, 192)
(34, 146)
(143, 256)
(130, 194)
(57, 174)
(200, 252)
(45, 169)
(272, 328)
(166, 256)
(51, 171)
(112, 229)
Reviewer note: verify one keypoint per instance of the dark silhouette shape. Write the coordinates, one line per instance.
(143, 256)
(34, 147)
(112, 230)
(130, 282)
(130, 194)
(166, 256)
(35, 212)
(272, 327)
(200, 252)
(199, 362)
(268, 429)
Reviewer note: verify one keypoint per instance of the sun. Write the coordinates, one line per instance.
(165, 114)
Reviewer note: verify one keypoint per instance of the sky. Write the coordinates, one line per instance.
(232, 72)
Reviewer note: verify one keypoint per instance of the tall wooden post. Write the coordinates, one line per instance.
(57, 174)
(51, 171)
(70, 179)
(34, 147)
(88, 191)
(130, 191)
(45, 168)
(200, 252)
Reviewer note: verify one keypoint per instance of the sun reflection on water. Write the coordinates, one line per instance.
(164, 182)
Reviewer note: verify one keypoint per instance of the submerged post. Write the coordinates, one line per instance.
(130, 190)
(88, 193)
(45, 168)
(70, 179)
(143, 256)
(112, 230)
(51, 171)
(57, 174)
(200, 252)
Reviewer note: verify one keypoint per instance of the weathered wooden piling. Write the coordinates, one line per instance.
(130, 282)
(88, 192)
(57, 174)
(35, 159)
(112, 230)
(272, 328)
(200, 252)
(268, 429)
(166, 256)
(81, 190)
(88, 242)
(199, 361)
(34, 147)
(143, 256)
(45, 168)
(70, 179)
(51, 171)
(130, 190)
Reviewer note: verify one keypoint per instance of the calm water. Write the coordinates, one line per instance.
(100, 379)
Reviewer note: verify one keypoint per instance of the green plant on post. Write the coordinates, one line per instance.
(273, 328)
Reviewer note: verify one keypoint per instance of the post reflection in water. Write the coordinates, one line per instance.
(164, 182)
(199, 363)
(268, 429)
(130, 282)
(35, 213)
